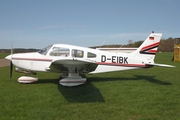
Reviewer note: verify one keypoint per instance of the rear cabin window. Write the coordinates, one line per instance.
(77, 53)
(59, 51)
(91, 55)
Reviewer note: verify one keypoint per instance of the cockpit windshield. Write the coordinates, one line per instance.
(45, 50)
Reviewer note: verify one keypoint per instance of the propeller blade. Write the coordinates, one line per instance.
(11, 64)
(11, 68)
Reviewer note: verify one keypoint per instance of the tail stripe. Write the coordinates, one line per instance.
(149, 49)
(154, 51)
(149, 46)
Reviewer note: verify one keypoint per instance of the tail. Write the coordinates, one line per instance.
(148, 49)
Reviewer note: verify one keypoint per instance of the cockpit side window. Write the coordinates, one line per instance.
(91, 55)
(77, 53)
(60, 51)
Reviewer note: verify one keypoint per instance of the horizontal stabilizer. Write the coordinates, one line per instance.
(161, 65)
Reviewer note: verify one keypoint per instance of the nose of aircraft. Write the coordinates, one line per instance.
(9, 57)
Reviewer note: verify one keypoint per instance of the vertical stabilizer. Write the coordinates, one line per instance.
(148, 48)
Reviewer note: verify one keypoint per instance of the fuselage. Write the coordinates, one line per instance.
(107, 61)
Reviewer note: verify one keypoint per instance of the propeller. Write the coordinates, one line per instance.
(11, 68)
(11, 64)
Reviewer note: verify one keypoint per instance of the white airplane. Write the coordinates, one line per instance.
(71, 61)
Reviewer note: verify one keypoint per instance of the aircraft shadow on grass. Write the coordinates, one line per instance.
(82, 94)
(77, 94)
(89, 93)
(151, 79)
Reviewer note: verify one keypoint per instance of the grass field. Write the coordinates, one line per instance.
(142, 94)
(3, 55)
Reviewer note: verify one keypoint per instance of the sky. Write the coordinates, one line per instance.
(39, 23)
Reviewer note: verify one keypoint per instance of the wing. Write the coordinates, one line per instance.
(62, 65)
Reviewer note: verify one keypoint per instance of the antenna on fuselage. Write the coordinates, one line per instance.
(102, 44)
(120, 47)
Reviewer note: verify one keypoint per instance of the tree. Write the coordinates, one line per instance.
(130, 43)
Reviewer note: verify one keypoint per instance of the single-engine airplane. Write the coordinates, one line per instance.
(71, 61)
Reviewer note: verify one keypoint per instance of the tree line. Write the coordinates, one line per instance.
(18, 50)
(166, 45)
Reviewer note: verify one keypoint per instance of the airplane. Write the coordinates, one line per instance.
(72, 61)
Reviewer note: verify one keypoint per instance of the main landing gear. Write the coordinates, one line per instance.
(73, 78)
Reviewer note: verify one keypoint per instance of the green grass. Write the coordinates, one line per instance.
(3, 55)
(127, 95)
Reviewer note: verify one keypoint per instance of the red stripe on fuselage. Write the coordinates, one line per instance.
(32, 59)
